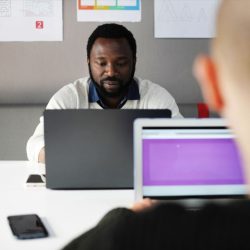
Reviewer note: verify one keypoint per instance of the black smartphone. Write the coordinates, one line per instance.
(36, 180)
(27, 226)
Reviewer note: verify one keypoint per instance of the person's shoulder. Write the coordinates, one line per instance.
(154, 96)
(117, 214)
(73, 87)
(111, 232)
(68, 95)
(149, 89)
(79, 83)
(147, 85)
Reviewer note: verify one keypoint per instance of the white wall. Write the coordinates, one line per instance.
(31, 72)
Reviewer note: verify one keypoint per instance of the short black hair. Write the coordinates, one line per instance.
(112, 30)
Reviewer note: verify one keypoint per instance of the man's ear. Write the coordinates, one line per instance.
(135, 60)
(206, 73)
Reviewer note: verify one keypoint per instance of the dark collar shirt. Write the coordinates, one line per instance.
(133, 94)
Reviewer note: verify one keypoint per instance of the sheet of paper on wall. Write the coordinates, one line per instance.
(185, 18)
(31, 20)
(109, 10)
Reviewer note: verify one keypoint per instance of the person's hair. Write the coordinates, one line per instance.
(112, 30)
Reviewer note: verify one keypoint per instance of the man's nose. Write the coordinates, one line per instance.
(111, 70)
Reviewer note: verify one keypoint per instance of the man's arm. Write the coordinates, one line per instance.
(36, 143)
(65, 98)
(41, 156)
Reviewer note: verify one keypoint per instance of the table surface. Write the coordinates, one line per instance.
(65, 213)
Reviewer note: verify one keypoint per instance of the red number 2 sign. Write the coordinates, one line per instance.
(39, 24)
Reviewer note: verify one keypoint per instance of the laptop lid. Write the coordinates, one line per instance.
(189, 160)
(91, 149)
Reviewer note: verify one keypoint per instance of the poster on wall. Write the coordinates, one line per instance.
(185, 18)
(109, 10)
(31, 20)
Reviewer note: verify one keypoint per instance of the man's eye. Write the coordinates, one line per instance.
(102, 64)
(121, 64)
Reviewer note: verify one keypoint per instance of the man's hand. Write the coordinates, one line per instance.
(41, 156)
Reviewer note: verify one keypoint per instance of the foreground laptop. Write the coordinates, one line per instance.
(91, 149)
(190, 161)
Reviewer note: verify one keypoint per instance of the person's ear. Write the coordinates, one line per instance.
(88, 61)
(206, 73)
(135, 60)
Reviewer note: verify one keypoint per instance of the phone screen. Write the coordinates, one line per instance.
(28, 226)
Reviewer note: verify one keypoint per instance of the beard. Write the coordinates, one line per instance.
(121, 87)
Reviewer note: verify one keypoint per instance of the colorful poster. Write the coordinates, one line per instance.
(185, 18)
(109, 10)
(31, 20)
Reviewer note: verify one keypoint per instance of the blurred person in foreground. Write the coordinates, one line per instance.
(224, 78)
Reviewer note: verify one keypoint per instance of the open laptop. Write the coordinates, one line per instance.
(91, 149)
(190, 161)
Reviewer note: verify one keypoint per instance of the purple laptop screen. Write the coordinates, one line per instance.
(191, 162)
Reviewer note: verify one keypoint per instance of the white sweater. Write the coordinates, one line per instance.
(75, 96)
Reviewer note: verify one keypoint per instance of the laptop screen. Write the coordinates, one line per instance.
(181, 162)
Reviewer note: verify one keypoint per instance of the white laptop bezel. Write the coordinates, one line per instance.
(162, 122)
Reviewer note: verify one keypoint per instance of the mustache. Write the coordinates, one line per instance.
(112, 79)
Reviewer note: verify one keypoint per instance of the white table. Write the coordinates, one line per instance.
(66, 214)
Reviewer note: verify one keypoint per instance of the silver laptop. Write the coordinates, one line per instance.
(189, 160)
(91, 149)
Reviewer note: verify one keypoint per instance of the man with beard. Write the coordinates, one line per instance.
(111, 57)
